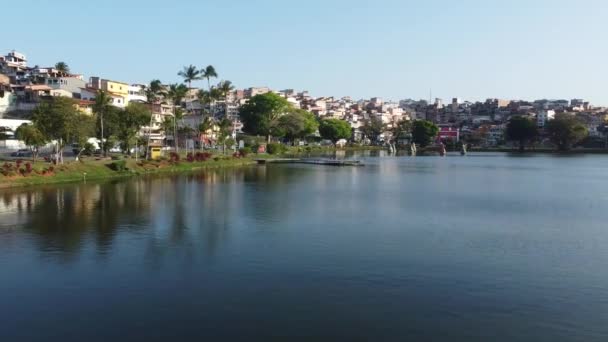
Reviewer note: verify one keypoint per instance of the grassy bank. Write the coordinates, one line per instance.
(78, 171)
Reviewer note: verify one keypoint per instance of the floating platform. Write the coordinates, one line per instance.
(329, 162)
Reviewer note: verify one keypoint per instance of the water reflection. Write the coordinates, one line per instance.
(192, 212)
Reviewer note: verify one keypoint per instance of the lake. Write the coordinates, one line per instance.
(487, 247)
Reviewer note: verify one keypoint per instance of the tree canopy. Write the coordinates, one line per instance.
(58, 119)
(565, 131)
(423, 132)
(372, 128)
(130, 120)
(522, 130)
(190, 74)
(32, 137)
(261, 114)
(62, 68)
(298, 124)
(335, 129)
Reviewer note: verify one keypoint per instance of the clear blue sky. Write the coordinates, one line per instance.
(473, 49)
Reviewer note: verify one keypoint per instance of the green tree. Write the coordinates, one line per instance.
(32, 137)
(423, 132)
(401, 129)
(521, 130)
(226, 129)
(58, 119)
(190, 74)
(204, 126)
(111, 127)
(260, 115)
(208, 73)
(130, 121)
(298, 124)
(176, 93)
(4, 133)
(84, 129)
(335, 129)
(373, 128)
(62, 68)
(225, 88)
(101, 108)
(204, 99)
(565, 131)
(215, 94)
(167, 125)
(154, 91)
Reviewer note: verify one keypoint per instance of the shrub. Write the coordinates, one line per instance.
(119, 165)
(275, 148)
(174, 157)
(245, 151)
(202, 156)
(28, 168)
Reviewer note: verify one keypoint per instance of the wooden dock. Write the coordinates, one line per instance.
(328, 162)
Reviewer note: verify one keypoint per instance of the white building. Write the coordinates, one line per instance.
(137, 93)
(543, 116)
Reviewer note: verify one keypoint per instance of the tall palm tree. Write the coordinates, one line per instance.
(189, 74)
(208, 73)
(62, 68)
(204, 98)
(176, 93)
(215, 94)
(154, 91)
(205, 125)
(225, 88)
(103, 101)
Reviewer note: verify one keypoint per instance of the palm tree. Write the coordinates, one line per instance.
(215, 94)
(176, 93)
(154, 91)
(205, 125)
(208, 73)
(225, 88)
(189, 74)
(225, 132)
(103, 101)
(62, 68)
(204, 98)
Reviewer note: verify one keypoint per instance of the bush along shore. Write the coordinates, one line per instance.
(21, 173)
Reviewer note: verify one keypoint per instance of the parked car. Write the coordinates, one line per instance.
(22, 153)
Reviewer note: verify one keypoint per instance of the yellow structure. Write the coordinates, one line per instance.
(118, 90)
(155, 151)
(114, 87)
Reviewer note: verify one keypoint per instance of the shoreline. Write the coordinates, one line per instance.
(79, 172)
(98, 170)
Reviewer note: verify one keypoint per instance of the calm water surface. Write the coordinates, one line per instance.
(487, 247)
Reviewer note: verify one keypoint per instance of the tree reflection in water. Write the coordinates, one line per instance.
(187, 215)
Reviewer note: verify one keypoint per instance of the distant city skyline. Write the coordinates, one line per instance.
(472, 50)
